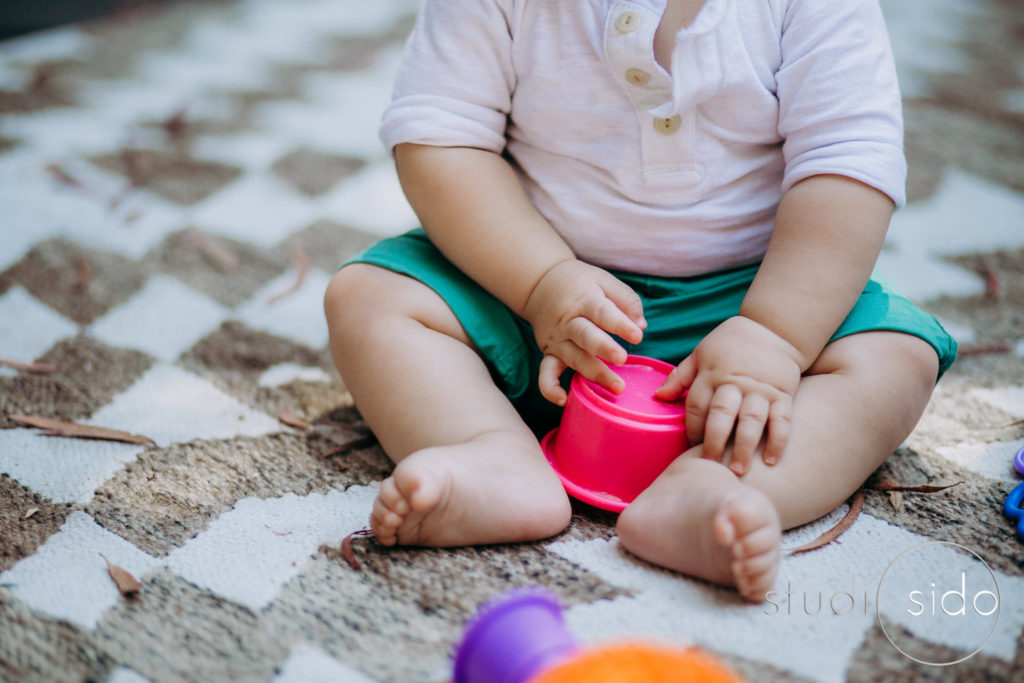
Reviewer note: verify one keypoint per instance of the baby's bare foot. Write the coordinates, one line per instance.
(746, 527)
(700, 519)
(492, 489)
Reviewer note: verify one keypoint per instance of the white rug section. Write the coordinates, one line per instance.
(67, 579)
(1010, 400)
(990, 460)
(299, 316)
(170, 405)
(927, 43)
(967, 214)
(164, 319)
(67, 42)
(286, 373)
(125, 675)
(338, 113)
(257, 208)
(817, 645)
(64, 470)
(28, 327)
(307, 664)
(253, 550)
(371, 200)
(251, 151)
(920, 276)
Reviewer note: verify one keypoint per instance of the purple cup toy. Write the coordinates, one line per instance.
(513, 637)
(1018, 461)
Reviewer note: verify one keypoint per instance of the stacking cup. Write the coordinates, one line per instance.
(610, 447)
(512, 638)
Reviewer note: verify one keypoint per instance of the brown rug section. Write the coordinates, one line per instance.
(27, 519)
(91, 375)
(312, 172)
(329, 244)
(233, 357)
(174, 631)
(37, 648)
(173, 175)
(169, 495)
(82, 284)
(227, 271)
(878, 660)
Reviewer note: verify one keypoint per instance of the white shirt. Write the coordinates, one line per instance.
(643, 171)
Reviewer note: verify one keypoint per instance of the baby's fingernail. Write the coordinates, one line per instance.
(770, 460)
(738, 468)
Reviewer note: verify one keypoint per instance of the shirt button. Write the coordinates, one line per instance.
(627, 21)
(667, 126)
(637, 76)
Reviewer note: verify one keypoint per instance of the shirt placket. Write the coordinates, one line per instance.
(666, 135)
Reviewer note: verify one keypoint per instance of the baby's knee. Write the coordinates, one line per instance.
(882, 357)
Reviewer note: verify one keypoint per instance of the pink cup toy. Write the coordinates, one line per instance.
(608, 448)
(513, 637)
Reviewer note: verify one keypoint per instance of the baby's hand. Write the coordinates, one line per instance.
(572, 309)
(741, 375)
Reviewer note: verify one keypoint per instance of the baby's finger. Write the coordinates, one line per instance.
(779, 417)
(750, 425)
(623, 296)
(678, 380)
(551, 369)
(722, 410)
(606, 314)
(590, 366)
(697, 401)
(593, 339)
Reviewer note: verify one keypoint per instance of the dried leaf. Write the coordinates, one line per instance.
(992, 285)
(292, 421)
(300, 259)
(79, 431)
(920, 488)
(353, 445)
(346, 548)
(856, 505)
(84, 275)
(138, 165)
(213, 250)
(896, 500)
(30, 513)
(984, 349)
(125, 582)
(63, 176)
(175, 123)
(41, 368)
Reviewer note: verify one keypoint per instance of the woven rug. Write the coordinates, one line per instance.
(178, 183)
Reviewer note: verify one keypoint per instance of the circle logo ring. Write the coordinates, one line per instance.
(878, 595)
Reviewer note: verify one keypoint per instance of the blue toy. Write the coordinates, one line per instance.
(1013, 510)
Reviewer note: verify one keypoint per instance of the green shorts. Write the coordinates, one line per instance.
(679, 312)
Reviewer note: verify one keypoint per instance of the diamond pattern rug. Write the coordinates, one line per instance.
(177, 184)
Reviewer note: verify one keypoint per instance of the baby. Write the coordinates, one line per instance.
(708, 182)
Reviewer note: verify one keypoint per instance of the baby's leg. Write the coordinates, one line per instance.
(468, 469)
(855, 405)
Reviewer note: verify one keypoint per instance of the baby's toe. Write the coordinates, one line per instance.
(761, 540)
(756, 576)
(392, 497)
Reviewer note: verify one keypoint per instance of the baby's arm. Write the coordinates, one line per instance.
(828, 232)
(475, 211)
